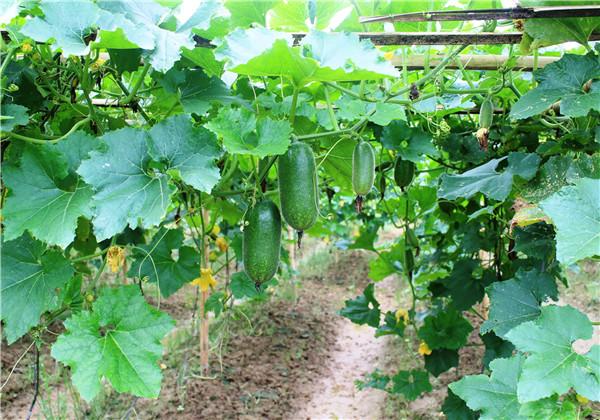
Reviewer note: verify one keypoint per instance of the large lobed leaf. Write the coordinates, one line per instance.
(553, 367)
(446, 330)
(364, 309)
(487, 180)
(119, 339)
(188, 150)
(575, 212)
(518, 300)
(46, 195)
(243, 133)
(128, 192)
(321, 56)
(563, 80)
(31, 276)
(495, 396)
(155, 261)
(135, 166)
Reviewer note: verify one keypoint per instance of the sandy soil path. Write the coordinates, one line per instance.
(356, 353)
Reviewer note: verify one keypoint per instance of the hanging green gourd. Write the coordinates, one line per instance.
(297, 174)
(262, 241)
(486, 117)
(404, 172)
(363, 171)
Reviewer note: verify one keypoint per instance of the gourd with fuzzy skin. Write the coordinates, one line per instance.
(297, 175)
(262, 241)
(363, 171)
(404, 172)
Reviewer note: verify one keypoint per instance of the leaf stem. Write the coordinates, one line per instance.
(433, 73)
(334, 122)
(137, 84)
(7, 60)
(90, 257)
(294, 105)
(40, 141)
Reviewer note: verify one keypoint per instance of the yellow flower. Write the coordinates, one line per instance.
(582, 400)
(89, 297)
(424, 349)
(215, 230)
(388, 55)
(116, 258)
(206, 280)
(97, 65)
(163, 366)
(212, 256)
(26, 48)
(222, 244)
(402, 314)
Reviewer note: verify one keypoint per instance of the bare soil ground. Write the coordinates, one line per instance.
(281, 360)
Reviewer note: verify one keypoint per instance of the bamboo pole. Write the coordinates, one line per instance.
(475, 62)
(543, 12)
(204, 344)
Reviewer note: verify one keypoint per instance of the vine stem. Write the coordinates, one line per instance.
(36, 382)
(90, 257)
(11, 52)
(294, 105)
(16, 364)
(40, 141)
(138, 83)
(433, 73)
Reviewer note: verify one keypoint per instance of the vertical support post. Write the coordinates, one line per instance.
(204, 344)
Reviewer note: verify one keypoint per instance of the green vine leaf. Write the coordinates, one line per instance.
(243, 133)
(391, 326)
(446, 330)
(68, 26)
(364, 309)
(494, 396)
(410, 383)
(321, 56)
(242, 286)
(455, 409)
(518, 300)
(121, 174)
(439, 361)
(485, 178)
(575, 212)
(412, 143)
(188, 151)
(145, 25)
(550, 409)
(197, 91)
(563, 80)
(46, 196)
(31, 275)
(556, 31)
(553, 367)
(155, 261)
(12, 116)
(119, 339)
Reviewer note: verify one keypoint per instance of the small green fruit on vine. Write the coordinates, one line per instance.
(363, 171)
(404, 172)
